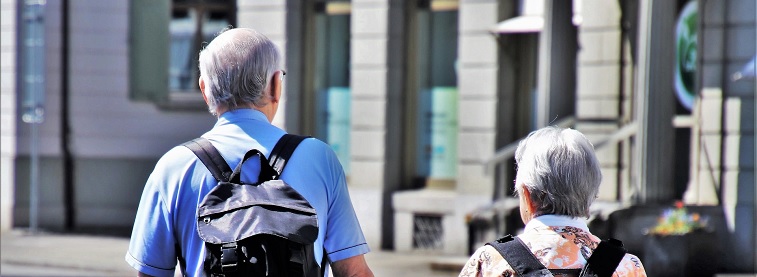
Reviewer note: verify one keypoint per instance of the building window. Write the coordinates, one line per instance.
(193, 23)
(427, 232)
(432, 83)
(165, 38)
(326, 112)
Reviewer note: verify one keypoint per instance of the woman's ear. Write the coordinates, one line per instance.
(202, 90)
(527, 198)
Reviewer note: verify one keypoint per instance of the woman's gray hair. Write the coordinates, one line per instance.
(237, 67)
(560, 170)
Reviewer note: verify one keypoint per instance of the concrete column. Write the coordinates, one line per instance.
(557, 63)
(373, 140)
(8, 71)
(599, 87)
(270, 19)
(477, 115)
(706, 144)
(655, 102)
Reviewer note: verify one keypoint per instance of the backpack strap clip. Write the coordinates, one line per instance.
(229, 259)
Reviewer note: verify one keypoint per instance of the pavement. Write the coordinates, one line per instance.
(47, 254)
(24, 253)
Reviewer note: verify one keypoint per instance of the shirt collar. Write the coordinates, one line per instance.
(556, 220)
(241, 114)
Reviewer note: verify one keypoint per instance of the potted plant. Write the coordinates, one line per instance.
(678, 221)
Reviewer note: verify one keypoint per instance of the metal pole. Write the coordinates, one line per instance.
(34, 178)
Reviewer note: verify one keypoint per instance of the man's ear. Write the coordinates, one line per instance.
(276, 87)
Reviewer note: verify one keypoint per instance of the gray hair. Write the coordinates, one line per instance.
(560, 170)
(237, 67)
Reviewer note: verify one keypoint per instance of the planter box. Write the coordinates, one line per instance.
(629, 225)
(693, 254)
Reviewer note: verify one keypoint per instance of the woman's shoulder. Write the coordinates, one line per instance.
(630, 266)
(487, 261)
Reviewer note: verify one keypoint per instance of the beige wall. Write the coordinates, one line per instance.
(598, 83)
(7, 110)
(369, 72)
(477, 115)
(108, 128)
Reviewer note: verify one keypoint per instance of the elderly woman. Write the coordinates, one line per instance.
(558, 178)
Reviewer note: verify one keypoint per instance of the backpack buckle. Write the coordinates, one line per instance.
(506, 238)
(229, 259)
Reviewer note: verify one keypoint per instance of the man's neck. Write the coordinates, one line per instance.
(265, 110)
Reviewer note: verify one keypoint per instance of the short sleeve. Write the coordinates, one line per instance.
(344, 237)
(630, 266)
(472, 268)
(486, 262)
(152, 245)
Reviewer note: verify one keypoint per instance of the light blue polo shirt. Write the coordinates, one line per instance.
(167, 212)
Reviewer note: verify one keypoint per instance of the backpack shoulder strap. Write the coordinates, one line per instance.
(283, 151)
(605, 259)
(209, 156)
(519, 256)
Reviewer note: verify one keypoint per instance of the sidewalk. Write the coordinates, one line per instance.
(52, 254)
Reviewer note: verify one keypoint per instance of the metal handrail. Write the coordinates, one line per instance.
(623, 133)
(507, 152)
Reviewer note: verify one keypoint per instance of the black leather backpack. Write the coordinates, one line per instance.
(261, 229)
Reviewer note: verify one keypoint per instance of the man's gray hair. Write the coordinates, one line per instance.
(237, 67)
(560, 170)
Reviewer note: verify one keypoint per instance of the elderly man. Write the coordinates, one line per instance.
(241, 81)
(558, 178)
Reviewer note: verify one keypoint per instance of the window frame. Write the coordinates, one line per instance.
(149, 51)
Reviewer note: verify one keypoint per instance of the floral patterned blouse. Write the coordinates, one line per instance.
(559, 242)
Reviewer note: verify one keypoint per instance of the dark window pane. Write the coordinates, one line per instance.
(193, 24)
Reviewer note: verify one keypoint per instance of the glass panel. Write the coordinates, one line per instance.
(332, 83)
(211, 18)
(437, 97)
(339, 50)
(443, 49)
(213, 23)
(339, 123)
(443, 122)
(183, 30)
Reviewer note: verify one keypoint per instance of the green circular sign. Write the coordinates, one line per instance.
(686, 54)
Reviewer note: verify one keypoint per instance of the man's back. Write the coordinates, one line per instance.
(180, 181)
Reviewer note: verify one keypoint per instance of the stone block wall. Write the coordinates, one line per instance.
(8, 69)
(602, 90)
